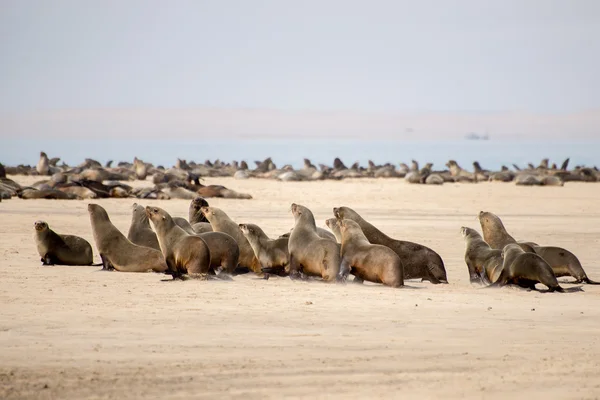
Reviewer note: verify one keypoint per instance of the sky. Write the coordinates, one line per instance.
(68, 61)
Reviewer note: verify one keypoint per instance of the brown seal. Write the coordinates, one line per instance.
(483, 262)
(526, 270)
(184, 253)
(273, 254)
(224, 251)
(418, 261)
(310, 254)
(140, 232)
(195, 216)
(117, 252)
(28, 193)
(221, 222)
(56, 249)
(370, 262)
(335, 228)
(562, 261)
(324, 233)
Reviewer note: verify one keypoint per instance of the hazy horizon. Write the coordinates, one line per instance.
(266, 68)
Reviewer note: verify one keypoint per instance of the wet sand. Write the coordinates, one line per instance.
(77, 332)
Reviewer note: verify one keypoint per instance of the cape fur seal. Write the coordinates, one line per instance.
(370, 262)
(418, 261)
(562, 261)
(55, 249)
(195, 216)
(117, 251)
(335, 228)
(526, 270)
(273, 254)
(184, 253)
(483, 262)
(140, 232)
(221, 222)
(310, 254)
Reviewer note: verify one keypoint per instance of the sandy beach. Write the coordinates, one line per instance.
(80, 333)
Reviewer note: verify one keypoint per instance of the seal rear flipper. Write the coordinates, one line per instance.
(589, 281)
(239, 270)
(560, 289)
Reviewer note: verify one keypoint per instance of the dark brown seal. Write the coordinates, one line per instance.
(418, 261)
(117, 252)
(184, 253)
(562, 261)
(273, 254)
(56, 249)
(483, 262)
(196, 218)
(310, 254)
(140, 232)
(221, 222)
(526, 270)
(370, 262)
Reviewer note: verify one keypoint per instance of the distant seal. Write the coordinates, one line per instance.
(483, 262)
(140, 232)
(418, 261)
(310, 254)
(370, 262)
(43, 165)
(28, 194)
(55, 249)
(273, 254)
(221, 222)
(562, 261)
(184, 253)
(195, 216)
(117, 251)
(526, 270)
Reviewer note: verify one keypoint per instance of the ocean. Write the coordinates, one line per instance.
(491, 154)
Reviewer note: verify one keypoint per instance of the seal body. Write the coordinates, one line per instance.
(184, 253)
(140, 232)
(310, 254)
(273, 254)
(118, 252)
(56, 249)
(483, 262)
(221, 222)
(224, 251)
(418, 261)
(370, 262)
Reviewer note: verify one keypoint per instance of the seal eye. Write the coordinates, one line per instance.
(156, 210)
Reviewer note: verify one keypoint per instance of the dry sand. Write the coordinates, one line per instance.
(75, 332)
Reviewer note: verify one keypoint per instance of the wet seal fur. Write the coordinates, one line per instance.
(526, 270)
(56, 249)
(483, 262)
(418, 261)
(310, 254)
(118, 252)
(273, 254)
(184, 253)
(140, 232)
(562, 261)
(370, 262)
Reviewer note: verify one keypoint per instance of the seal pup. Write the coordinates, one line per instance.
(184, 253)
(562, 261)
(116, 251)
(221, 222)
(526, 270)
(483, 262)
(140, 232)
(310, 254)
(418, 261)
(55, 249)
(370, 262)
(273, 254)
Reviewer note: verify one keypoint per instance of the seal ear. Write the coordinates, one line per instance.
(164, 217)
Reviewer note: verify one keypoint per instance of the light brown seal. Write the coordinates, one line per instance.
(370, 262)
(335, 228)
(310, 254)
(483, 262)
(117, 252)
(562, 261)
(273, 254)
(184, 253)
(418, 261)
(526, 270)
(56, 249)
(221, 222)
(140, 232)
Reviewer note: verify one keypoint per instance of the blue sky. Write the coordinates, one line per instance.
(372, 56)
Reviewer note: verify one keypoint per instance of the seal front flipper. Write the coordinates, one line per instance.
(106, 265)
